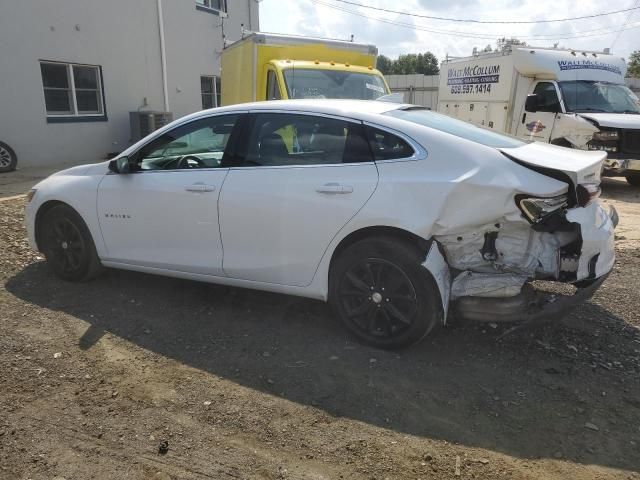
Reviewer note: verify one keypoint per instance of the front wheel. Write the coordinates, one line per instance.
(633, 179)
(67, 245)
(382, 293)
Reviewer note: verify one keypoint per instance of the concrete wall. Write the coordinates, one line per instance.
(423, 89)
(122, 36)
(418, 89)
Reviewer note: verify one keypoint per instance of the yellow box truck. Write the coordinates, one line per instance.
(264, 66)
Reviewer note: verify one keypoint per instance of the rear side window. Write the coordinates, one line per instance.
(461, 129)
(295, 139)
(387, 146)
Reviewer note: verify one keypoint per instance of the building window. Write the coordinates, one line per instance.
(210, 90)
(72, 90)
(212, 5)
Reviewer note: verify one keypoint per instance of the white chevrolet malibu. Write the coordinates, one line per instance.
(392, 213)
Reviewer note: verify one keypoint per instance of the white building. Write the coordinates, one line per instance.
(72, 70)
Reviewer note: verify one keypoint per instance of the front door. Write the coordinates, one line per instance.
(165, 213)
(538, 125)
(301, 179)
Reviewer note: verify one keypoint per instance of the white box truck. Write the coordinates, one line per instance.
(571, 98)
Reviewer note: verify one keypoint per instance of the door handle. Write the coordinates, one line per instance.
(200, 187)
(335, 189)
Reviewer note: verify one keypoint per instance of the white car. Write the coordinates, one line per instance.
(390, 212)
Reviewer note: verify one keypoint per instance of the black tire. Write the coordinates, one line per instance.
(400, 316)
(633, 179)
(561, 142)
(66, 242)
(8, 158)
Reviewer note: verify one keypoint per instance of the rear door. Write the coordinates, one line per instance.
(300, 180)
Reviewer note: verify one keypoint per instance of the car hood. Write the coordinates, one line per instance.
(578, 165)
(614, 120)
(88, 169)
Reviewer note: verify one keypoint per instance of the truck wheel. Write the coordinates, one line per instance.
(382, 293)
(562, 142)
(633, 179)
(8, 158)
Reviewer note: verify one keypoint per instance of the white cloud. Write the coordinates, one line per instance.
(305, 17)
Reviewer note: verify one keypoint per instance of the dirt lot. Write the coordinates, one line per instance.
(96, 379)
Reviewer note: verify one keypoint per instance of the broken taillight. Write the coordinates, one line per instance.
(535, 209)
(586, 192)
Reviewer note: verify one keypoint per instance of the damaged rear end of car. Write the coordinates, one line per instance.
(545, 254)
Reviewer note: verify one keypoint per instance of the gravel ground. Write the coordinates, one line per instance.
(141, 377)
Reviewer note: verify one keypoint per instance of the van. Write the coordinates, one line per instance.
(571, 98)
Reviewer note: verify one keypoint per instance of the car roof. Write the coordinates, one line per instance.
(341, 107)
(355, 109)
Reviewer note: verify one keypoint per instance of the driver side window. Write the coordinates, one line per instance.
(547, 97)
(199, 144)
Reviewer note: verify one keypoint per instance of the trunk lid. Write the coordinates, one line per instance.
(580, 166)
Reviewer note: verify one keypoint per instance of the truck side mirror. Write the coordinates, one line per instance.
(531, 103)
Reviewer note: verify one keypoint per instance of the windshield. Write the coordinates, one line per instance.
(591, 96)
(455, 127)
(316, 83)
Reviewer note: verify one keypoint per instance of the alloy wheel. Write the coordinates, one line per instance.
(67, 245)
(378, 298)
(5, 157)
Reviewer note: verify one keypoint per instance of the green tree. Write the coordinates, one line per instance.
(423, 63)
(633, 67)
(427, 64)
(405, 64)
(385, 65)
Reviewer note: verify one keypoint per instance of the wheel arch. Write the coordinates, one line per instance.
(562, 142)
(419, 242)
(42, 211)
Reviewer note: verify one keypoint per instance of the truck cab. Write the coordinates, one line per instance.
(587, 114)
(289, 79)
(574, 99)
(273, 67)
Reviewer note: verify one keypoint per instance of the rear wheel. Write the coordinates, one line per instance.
(8, 158)
(382, 293)
(67, 245)
(633, 179)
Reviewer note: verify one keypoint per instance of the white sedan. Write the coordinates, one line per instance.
(390, 212)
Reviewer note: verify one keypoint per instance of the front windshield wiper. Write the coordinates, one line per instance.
(630, 111)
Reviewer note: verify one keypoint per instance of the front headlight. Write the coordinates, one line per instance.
(30, 194)
(604, 135)
(535, 209)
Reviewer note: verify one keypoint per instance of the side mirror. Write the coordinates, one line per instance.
(120, 165)
(531, 103)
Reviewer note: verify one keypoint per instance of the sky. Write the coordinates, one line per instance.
(328, 18)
